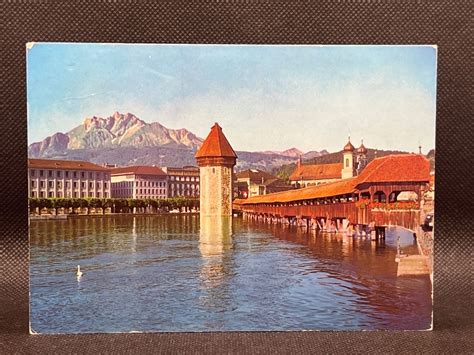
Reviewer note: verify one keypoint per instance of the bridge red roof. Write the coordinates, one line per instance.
(317, 172)
(216, 145)
(335, 188)
(390, 168)
(396, 168)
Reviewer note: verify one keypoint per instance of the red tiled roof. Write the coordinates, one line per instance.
(216, 145)
(396, 168)
(138, 170)
(317, 172)
(64, 164)
(390, 168)
(330, 189)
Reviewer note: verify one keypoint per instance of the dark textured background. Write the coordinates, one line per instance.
(445, 23)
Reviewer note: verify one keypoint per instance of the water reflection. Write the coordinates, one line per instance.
(215, 245)
(215, 235)
(363, 273)
(186, 273)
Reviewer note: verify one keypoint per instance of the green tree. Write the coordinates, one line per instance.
(141, 204)
(44, 203)
(75, 204)
(164, 205)
(33, 204)
(56, 203)
(153, 204)
(132, 204)
(94, 203)
(83, 203)
(107, 203)
(121, 205)
(67, 204)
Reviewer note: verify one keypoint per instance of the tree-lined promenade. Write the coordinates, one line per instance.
(38, 206)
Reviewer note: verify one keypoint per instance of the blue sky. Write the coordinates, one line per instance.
(264, 97)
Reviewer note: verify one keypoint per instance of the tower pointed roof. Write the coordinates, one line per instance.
(216, 145)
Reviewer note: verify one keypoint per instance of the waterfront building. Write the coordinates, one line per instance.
(50, 178)
(254, 182)
(183, 182)
(353, 162)
(216, 160)
(139, 182)
(314, 174)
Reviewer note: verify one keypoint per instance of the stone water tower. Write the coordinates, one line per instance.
(216, 160)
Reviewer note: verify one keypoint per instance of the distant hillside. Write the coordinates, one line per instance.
(118, 130)
(125, 139)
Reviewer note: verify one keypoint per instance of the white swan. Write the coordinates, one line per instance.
(79, 272)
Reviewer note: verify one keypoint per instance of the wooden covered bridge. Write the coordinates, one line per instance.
(388, 192)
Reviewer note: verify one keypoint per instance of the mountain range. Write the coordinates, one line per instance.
(125, 139)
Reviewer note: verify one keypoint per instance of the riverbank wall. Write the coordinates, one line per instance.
(106, 215)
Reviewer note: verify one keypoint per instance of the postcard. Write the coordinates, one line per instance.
(203, 188)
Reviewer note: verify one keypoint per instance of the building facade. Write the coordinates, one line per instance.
(254, 182)
(139, 182)
(183, 182)
(216, 160)
(314, 174)
(67, 179)
(353, 162)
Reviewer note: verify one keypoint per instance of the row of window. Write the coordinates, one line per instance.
(83, 194)
(184, 186)
(122, 184)
(152, 196)
(68, 174)
(184, 193)
(150, 191)
(122, 194)
(59, 184)
(184, 178)
(151, 184)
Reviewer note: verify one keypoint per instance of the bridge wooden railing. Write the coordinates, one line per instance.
(330, 210)
(409, 218)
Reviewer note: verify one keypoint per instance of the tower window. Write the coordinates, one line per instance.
(213, 170)
(347, 162)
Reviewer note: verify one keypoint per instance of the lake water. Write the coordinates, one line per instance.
(166, 273)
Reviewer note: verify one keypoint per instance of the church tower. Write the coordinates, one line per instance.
(216, 160)
(348, 166)
(361, 158)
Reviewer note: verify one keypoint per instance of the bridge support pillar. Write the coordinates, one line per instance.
(301, 222)
(345, 224)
